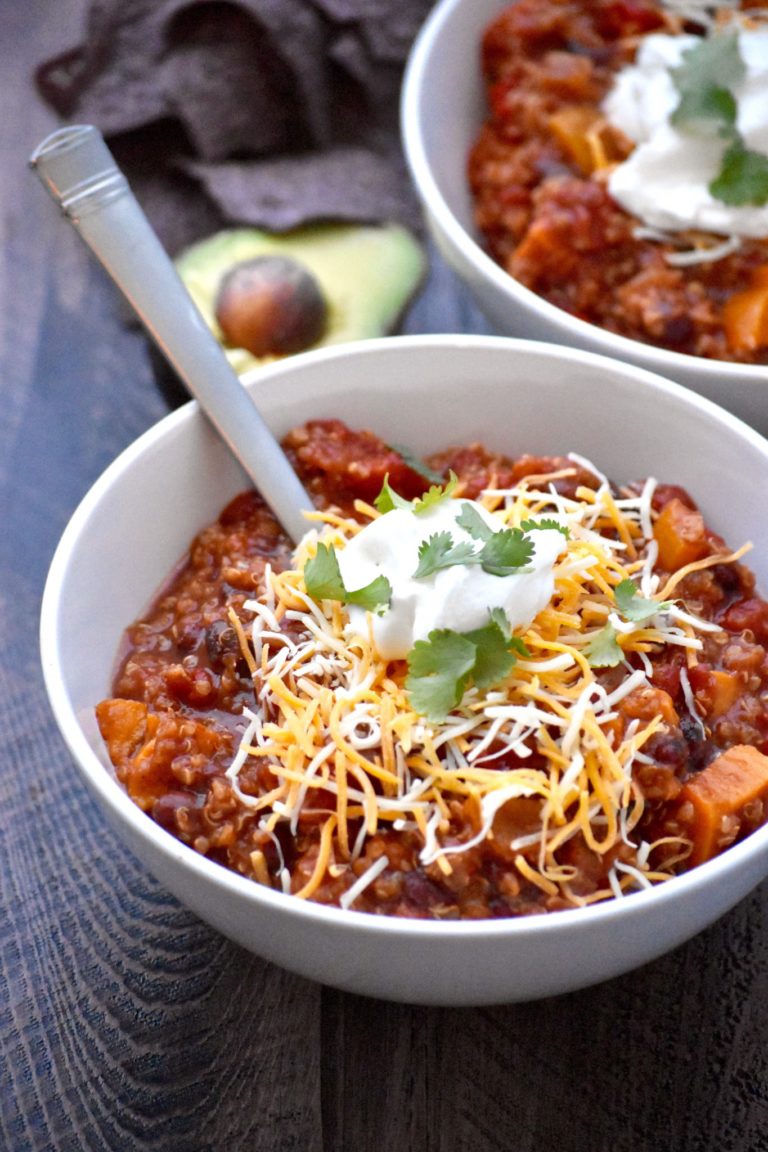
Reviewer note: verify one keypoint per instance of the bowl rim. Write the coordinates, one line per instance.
(103, 784)
(415, 78)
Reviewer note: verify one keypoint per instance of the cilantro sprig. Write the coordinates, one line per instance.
(442, 667)
(502, 553)
(439, 551)
(547, 522)
(705, 80)
(603, 649)
(472, 522)
(634, 607)
(743, 177)
(323, 581)
(506, 552)
(387, 500)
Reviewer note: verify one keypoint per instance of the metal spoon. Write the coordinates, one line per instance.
(80, 173)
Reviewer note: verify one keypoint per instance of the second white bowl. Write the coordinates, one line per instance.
(443, 107)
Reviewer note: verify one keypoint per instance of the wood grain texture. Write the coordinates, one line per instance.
(125, 1023)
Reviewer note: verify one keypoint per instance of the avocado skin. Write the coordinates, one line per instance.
(367, 273)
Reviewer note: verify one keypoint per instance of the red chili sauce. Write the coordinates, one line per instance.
(173, 725)
(541, 202)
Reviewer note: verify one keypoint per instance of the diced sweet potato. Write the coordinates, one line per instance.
(714, 803)
(646, 702)
(745, 314)
(570, 127)
(126, 726)
(156, 753)
(722, 691)
(680, 534)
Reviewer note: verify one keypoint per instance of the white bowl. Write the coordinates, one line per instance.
(427, 392)
(443, 107)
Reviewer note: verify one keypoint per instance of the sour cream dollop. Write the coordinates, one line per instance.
(665, 181)
(459, 598)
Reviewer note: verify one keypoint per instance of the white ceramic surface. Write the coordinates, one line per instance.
(442, 109)
(426, 392)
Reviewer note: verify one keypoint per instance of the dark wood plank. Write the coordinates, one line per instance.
(670, 1057)
(124, 1022)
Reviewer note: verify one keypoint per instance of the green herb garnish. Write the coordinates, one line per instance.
(436, 494)
(502, 554)
(441, 667)
(501, 620)
(439, 551)
(705, 79)
(472, 522)
(506, 552)
(387, 500)
(323, 581)
(416, 464)
(603, 649)
(743, 177)
(544, 525)
(632, 606)
(496, 651)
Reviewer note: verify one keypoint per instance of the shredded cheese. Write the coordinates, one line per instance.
(346, 750)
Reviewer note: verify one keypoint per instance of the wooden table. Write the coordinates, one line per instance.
(125, 1023)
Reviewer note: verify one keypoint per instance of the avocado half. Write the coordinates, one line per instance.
(367, 273)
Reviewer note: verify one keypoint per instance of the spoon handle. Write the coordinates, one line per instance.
(81, 175)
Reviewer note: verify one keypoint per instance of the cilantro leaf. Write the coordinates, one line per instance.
(323, 581)
(632, 606)
(436, 494)
(438, 672)
(709, 109)
(322, 575)
(603, 649)
(416, 465)
(388, 499)
(743, 176)
(439, 551)
(704, 78)
(501, 620)
(493, 658)
(543, 525)
(496, 651)
(441, 667)
(518, 645)
(372, 596)
(506, 552)
(472, 522)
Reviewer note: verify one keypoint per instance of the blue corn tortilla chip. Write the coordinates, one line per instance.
(111, 79)
(340, 183)
(267, 112)
(179, 208)
(244, 78)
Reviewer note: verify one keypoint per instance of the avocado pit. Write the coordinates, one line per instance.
(271, 306)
